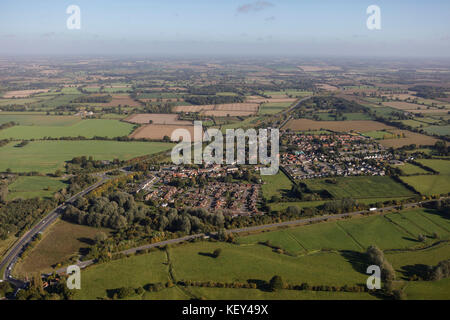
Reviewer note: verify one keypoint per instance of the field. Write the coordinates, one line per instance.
(38, 119)
(430, 184)
(409, 138)
(439, 130)
(273, 107)
(379, 135)
(61, 242)
(22, 93)
(339, 126)
(409, 169)
(159, 131)
(275, 185)
(320, 254)
(122, 100)
(360, 187)
(156, 118)
(35, 186)
(85, 128)
(48, 156)
(222, 110)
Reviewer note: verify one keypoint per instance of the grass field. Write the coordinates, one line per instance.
(29, 187)
(85, 128)
(273, 107)
(439, 130)
(323, 254)
(275, 185)
(59, 243)
(432, 184)
(37, 119)
(48, 156)
(429, 184)
(408, 169)
(361, 187)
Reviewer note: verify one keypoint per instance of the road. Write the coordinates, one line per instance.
(290, 109)
(250, 229)
(12, 256)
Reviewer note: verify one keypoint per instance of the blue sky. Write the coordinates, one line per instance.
(272, 27)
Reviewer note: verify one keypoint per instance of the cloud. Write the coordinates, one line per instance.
(254, 7)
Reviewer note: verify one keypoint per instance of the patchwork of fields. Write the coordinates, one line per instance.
(333, 249)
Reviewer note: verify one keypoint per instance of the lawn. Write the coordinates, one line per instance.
(361, 187)
(48, 156)
(275, 185)
(34, 186)
(85, 128)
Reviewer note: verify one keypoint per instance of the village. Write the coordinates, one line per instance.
(317, 156)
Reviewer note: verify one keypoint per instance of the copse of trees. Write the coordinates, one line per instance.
(376, 257)
(201, 100)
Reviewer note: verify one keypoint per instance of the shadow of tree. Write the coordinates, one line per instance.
(421, 270)
(358, 260)
(260, 284)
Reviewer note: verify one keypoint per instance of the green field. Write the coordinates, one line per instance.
(29, 187)
(37, 119)
(85, 128)
(361, 187)
(48, 156)
(273, 107)
(325, 116)
(379, 135)
(429, 184)
(275, 185)
(320, 254)
(409, 169)
(441, 166)
(439, 130)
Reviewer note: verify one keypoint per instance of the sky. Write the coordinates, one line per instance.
(226, 27)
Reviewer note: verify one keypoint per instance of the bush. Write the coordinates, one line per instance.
(276, 283)
(217, 252)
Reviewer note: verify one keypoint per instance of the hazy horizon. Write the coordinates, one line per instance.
(226, 28)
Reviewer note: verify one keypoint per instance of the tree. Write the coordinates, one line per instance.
(276, 283)
(217, 252)
(100, 237)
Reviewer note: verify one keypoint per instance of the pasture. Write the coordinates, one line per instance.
(25, 187)
(338, 126)
(48, 156)
(328, 253)
(85, 128)
(360, 187)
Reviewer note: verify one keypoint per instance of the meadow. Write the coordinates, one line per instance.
(328, 253)
(25, 187)
(275, 185)
(48, 156)
(85, 128)
(431, 184)
(361, 187)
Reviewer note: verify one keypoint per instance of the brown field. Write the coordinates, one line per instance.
(317, 68)
(339, 126)
(327, 87)
(161, 100)
(158, 131)
(22, 93)
(410, 138)
(62, 241)
(222, 110)
(157, 118)
(122, 100)
(258, 99)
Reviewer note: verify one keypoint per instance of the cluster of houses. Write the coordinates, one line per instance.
(318, 156)
(216, 195)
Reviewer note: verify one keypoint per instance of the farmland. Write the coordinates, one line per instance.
(338, 126)
(48, 156)
(330, 248)
(361, 187)
(159, 131)
(85, 128)
(37, 186)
